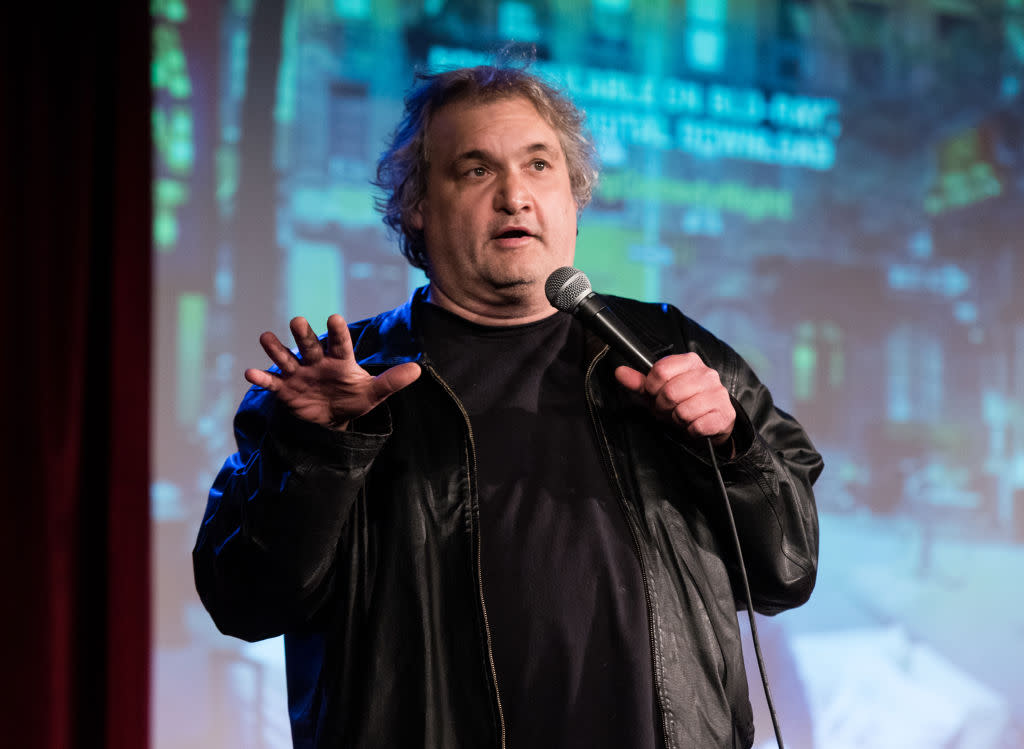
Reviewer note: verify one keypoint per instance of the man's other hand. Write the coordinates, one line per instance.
(325, 384)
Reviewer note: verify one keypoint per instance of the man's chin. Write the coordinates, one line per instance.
(510, 284)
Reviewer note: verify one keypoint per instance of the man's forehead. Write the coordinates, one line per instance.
(448, 123)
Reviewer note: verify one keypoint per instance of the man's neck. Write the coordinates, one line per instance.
(518, 313)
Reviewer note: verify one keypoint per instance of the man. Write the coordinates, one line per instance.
(474, 527)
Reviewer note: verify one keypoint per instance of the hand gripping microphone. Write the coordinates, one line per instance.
(568, 290)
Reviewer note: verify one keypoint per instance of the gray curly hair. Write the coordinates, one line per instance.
(402, 168)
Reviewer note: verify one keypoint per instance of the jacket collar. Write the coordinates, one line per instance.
(397, 338)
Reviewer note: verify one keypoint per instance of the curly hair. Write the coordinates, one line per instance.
(403, 166)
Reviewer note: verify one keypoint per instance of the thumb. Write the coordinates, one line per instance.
(630, 379)
(392, 380)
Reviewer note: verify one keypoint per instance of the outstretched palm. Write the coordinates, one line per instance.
(325, 384)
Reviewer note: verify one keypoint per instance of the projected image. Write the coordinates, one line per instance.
(833, 188)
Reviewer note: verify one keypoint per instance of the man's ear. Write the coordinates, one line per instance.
(416, 216)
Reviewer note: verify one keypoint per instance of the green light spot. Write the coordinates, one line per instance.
(165, 230)
(606, 258)
(169, 10)
(226, 162)
(751, 202)
(168, 194)
(351, 9)
(169, 71)
(314, 280)
(805, 362)
(180, 152)
(170, 191)
(191, 349)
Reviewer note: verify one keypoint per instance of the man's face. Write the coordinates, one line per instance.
(499, 214)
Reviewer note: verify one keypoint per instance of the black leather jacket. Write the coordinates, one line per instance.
(363, 548)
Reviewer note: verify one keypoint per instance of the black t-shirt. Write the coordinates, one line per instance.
(561, 578)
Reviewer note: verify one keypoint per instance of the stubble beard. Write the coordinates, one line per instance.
(510, 283)
(518, 271)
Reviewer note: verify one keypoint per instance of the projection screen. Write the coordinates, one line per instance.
(835, 188)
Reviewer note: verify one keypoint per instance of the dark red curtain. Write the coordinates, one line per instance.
(75, 374)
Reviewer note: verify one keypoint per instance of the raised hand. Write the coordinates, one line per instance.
(682, 389)
(326, 385)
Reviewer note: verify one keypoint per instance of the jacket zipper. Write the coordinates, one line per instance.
(479, 563)
(620, 495)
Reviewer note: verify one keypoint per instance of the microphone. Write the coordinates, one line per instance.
(568, 290)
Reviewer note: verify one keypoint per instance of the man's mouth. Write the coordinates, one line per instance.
(513, 233)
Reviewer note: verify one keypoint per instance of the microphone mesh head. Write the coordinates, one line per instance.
(566, 287)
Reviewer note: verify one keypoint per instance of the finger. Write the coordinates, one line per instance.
(713, 424)
(280, 354)
(669, 367)
(704, 383)
(263, 379)
(339, 340)
(630, 379)
(392, 380)
(708, 405)
(309, 345)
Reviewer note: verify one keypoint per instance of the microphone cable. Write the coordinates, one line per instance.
(747, 596)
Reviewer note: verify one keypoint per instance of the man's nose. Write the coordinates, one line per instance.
(513, 194)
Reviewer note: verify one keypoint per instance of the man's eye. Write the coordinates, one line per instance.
(539, 165)
(478, 171)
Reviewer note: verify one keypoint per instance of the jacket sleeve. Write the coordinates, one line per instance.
(265, 550)
(769, 482)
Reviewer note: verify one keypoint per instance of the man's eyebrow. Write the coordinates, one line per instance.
(546, 147)
(474, 154)
(479, 154)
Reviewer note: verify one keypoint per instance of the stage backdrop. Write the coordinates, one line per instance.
(834, 188)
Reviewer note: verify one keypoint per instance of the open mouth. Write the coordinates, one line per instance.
(514, 234)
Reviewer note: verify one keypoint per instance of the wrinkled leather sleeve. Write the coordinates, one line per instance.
(769, 483)
(769, 479)
(265, 550)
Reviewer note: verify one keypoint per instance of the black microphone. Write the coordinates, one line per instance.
(568, 290)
